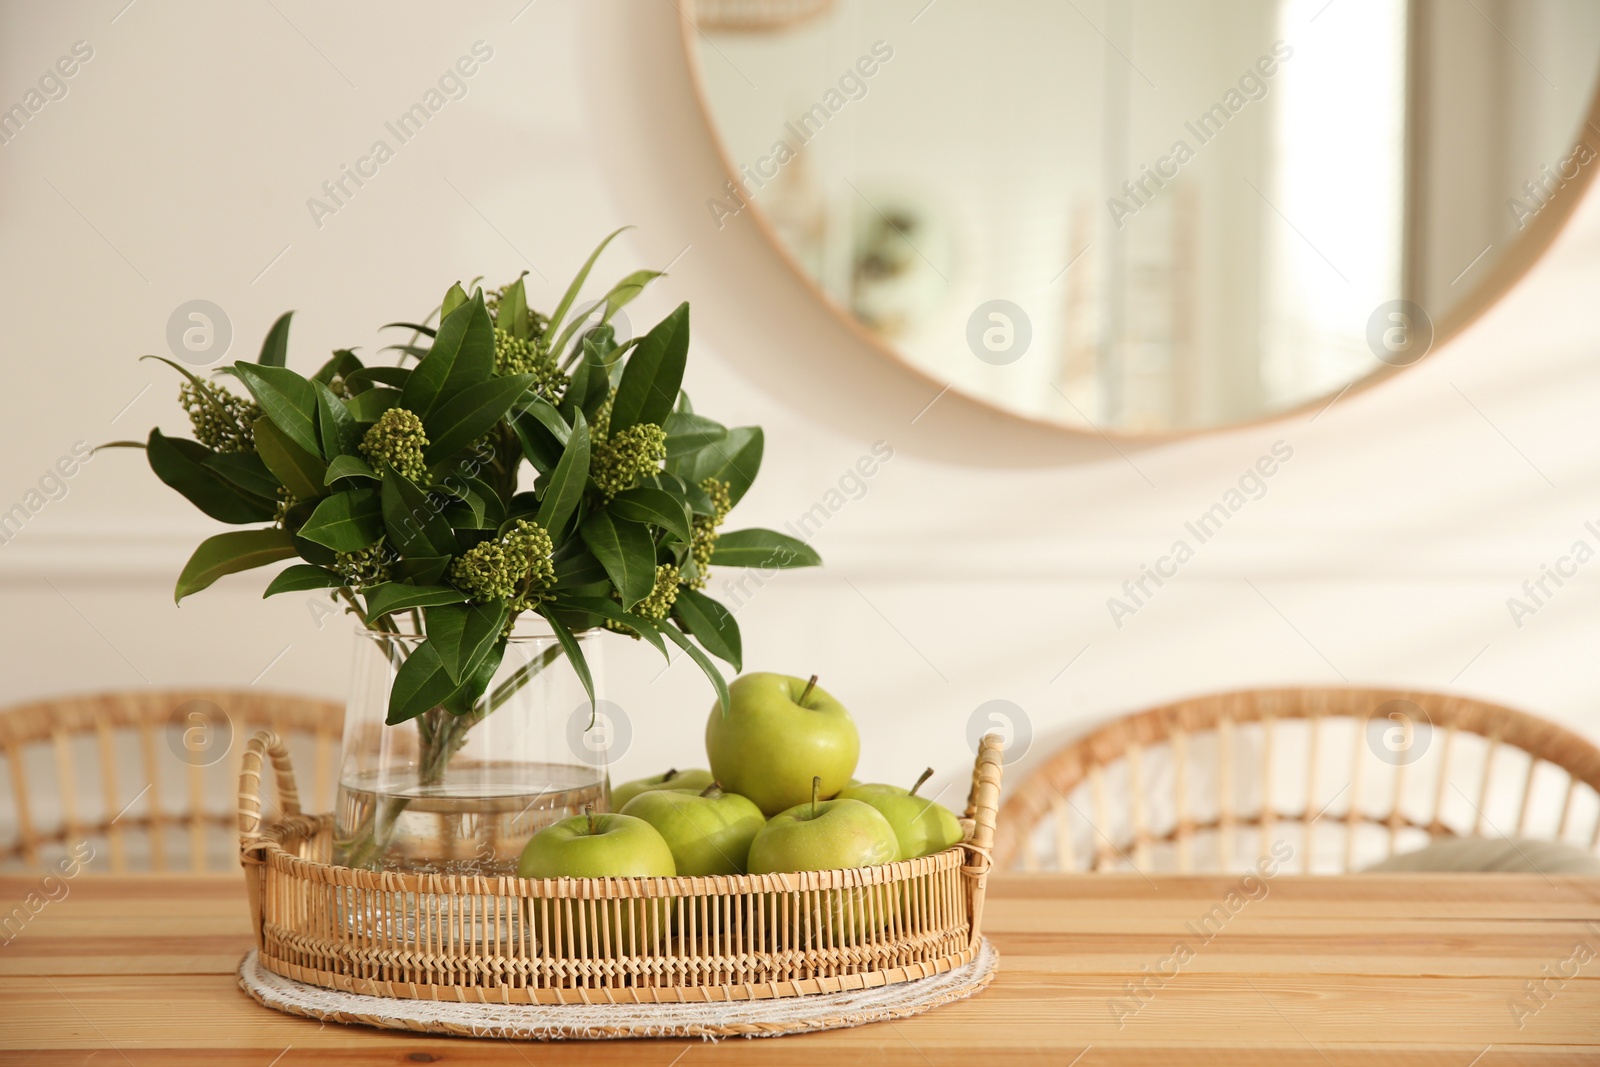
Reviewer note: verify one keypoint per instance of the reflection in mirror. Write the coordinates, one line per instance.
(1151, 216)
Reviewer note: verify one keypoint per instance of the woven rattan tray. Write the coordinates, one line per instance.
(604, 940)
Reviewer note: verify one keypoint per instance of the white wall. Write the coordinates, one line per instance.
(178, 167)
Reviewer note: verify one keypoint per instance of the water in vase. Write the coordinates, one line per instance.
(476, 822)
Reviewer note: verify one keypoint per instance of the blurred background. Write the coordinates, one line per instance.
(973, 579)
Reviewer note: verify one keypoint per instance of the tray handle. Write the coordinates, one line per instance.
(983, 807)
(264, 743)
(252, 843)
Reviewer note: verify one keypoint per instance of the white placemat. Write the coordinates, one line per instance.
(554, 1022)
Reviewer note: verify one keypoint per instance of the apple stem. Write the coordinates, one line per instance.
(712, 790)
(816, 783)
(925, 776)
(812, 684)
(594, 821)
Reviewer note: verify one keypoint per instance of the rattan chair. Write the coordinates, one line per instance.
(147, 778)
(1338, 777)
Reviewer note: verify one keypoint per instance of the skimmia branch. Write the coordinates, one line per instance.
(508, 463)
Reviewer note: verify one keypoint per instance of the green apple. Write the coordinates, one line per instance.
(709, 832)
(825, 835)
(822, 835)
(694, 778)
(778, 733)
(922, 826)
(598, 846)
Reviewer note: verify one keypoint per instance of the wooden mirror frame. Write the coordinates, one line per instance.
(1501, 275)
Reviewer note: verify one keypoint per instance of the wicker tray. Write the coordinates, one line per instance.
(508, 940)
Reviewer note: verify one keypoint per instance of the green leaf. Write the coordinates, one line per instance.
(590, 383)
(623, 292)
(693, 496)
(474, 504)
(607, 608)
(627, 553)
(620, 294)
(470, 414)
(653, 374)
(763, 548)
(348, 467)
(550, 419)
(566, 483)
(347, 521)
(735, 460)
(300, 577)
(422, 570)
(538, 447)
(575, 657)
(301, 472)
(462, 355)
(394, 377)
(512, 316)
(310, 551)
(414, 327)
(464, 634)
(275, 349)
(413, 523)
(688, 433)
(227, 553)
(543, 433)
(336, 427)
(711, 624)
(454, 297)
(400, 596)
(705, 664)
(656, 506)
(366, 407)
(181, 369)
(184, 466)
(245, 470)
(576, 567)
(571, 294)
(287, 399)
(343, 364)
(419, 685)
(472, 689)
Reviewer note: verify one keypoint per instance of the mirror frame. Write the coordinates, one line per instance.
(1502, 276)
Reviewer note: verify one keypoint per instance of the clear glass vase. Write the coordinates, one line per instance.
(461, 794)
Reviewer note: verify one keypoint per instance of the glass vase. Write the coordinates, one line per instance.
(461, 794)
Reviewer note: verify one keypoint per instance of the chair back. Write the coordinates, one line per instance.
(1330, 778)
(145, 780)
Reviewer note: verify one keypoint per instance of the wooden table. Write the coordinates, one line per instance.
(1412, 969)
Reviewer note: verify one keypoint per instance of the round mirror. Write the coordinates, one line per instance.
(1152, 217)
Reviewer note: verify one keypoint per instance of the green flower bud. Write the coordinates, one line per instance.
(364, 567)
(512, 355)
(484, 572)
(397, 441)
(624, 459)
(530, 546)
(286, 500)
(222, 421)
(704, 541)
(658, 605)
(515, 567)
(655, 607)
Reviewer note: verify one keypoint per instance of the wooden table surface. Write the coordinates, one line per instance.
(1466, 971)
